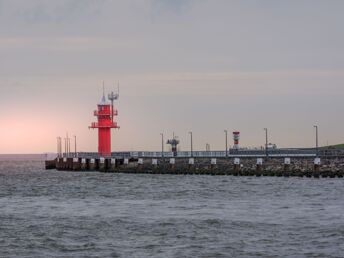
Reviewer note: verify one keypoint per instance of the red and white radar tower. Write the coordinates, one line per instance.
(236, 138)
(105, 115)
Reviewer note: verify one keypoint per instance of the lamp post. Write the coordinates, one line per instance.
(266, 141)
(65, 146)
(58, 146)
(316, 139)
(191, 144)
(68, 140)
(162, 145)
(226, 134)
(75, 146)
(207, 147)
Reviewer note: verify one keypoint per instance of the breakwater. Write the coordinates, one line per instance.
(300, 166)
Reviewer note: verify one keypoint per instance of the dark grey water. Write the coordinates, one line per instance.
(65, 214)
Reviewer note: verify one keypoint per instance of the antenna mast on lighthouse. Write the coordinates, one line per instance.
(112, 97)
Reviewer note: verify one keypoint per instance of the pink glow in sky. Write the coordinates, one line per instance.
(201, 66)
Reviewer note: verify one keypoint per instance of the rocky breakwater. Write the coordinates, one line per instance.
(301, 167)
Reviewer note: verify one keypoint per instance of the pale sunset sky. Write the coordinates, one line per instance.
(197, 65)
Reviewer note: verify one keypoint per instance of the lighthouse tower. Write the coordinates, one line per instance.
(105, 115)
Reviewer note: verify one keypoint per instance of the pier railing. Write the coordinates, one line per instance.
(219, 154)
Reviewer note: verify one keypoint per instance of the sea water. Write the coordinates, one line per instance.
(91, 214)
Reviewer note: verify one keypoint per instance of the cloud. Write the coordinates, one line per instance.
(164, 7)
(67, 43)
(276, 83)
(41, 11)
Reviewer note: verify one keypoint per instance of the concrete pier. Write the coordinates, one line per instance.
(300, 167)
(84, 164)
(93, 164)
(102, 165)
(112, 165)
(286, 165)
(259, 167)
(76, 164)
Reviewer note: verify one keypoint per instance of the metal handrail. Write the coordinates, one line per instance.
(220, 154)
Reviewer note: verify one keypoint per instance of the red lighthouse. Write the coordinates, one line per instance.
(105, 115)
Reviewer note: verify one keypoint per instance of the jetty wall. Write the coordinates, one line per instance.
(300, 166)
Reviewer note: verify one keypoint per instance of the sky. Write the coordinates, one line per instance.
(195, 65)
